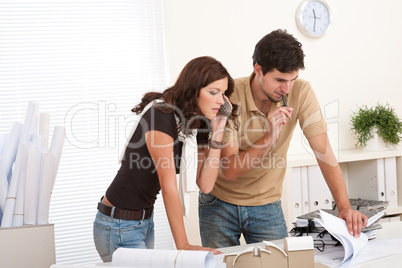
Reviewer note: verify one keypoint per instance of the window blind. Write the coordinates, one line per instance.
(87, 63)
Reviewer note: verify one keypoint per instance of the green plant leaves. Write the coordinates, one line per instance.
(381, 116)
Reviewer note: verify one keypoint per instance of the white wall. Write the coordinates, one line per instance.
(357, 62)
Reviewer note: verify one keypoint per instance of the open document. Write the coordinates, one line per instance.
(337, 227)
(162, 258)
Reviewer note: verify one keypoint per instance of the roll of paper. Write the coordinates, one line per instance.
(32, 186)
(8, 213)
(162, 258)
(3, 186)
(56, 148)
(18, 217)
(44, 125)
(28, 128)
(10, 148)
(45, 188)
(3, 139)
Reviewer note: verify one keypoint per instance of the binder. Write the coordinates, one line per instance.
(304, 187)
(297, 193)
(326, 195)
(367, 179)
(380, 179)
(314, 187)
(391, 187)
(319, 194)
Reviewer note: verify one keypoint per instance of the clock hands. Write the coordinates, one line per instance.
(315, 18)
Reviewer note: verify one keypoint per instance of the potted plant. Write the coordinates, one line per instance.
(381, 121)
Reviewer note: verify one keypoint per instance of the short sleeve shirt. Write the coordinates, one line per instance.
(136, 184)
(262, 183)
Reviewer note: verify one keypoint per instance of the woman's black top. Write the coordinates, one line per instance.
(136, 184)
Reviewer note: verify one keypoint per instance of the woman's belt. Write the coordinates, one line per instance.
(123, 214)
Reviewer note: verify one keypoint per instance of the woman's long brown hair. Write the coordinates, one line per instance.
(197, 73)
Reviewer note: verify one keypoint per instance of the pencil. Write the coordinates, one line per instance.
(286, 104)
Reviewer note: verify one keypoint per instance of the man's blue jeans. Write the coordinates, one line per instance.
(111, 234)
(221, 223)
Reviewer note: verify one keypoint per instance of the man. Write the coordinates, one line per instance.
(246, 197)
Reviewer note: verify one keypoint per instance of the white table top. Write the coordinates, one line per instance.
(390, 230)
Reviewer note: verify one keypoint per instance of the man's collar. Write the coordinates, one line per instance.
(249, 95)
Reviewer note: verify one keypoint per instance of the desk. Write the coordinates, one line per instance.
(389, 230)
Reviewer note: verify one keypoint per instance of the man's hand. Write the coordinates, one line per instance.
(276, 120)
(355, 221)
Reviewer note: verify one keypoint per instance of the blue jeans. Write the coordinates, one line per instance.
(111, 234)
(221, 223)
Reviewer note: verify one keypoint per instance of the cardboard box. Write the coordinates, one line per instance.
(27, 246)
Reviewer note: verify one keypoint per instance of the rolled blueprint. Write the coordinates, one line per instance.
(3, 187)
(10, 148)
(44, 124)
(45, 187)
(32, 186)
(162, 258)
(8, 213)
(3, 138)
(50, 165)
(38, 140)
(28, 128)
(56, 148)
(18, 217)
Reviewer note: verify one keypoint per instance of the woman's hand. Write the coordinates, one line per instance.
(194, 247)
(220, 120)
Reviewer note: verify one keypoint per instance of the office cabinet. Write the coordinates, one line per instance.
(373, 175)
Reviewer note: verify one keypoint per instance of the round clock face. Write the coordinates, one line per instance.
(313, 17)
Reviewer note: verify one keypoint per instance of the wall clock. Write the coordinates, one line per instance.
(313, 18)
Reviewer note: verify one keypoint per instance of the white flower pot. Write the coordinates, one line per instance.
(376, 143)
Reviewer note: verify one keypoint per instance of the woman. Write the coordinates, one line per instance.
(151, 159)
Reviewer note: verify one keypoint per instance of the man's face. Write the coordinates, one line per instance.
(274, 84)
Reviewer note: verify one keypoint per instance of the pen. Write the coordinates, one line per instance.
(286, 105)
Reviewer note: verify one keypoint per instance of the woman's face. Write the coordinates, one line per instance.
(211, 97)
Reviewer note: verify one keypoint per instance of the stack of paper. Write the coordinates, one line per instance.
(311, 224)
(374, 210)
(28, 169)
(373, 216)
(337, 228)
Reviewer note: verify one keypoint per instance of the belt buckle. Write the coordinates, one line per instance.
(143, 214)
(112, 212)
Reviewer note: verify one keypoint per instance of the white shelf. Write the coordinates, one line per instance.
(344, 156)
